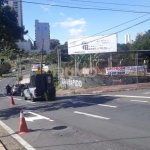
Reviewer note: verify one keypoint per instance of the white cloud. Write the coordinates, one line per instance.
(45, 8)
(62, 14)
(76, 32)
(72, 23)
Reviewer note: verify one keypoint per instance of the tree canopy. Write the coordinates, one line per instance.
(10, 31)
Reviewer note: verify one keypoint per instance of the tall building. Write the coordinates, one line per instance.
(17, 5)
(127, 38)
(42, 35)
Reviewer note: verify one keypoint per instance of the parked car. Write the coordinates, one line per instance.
(39, 84)
(22, 68)
(24, 88)
(14, 70)
(16, 89)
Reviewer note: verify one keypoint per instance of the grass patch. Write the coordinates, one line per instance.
(9, 75)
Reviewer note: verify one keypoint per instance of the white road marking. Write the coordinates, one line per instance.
(130, 96)
(93, 104)
(118, 99)
(14, 98)
(30, 102)
(146, 93)
(138, 101)
(108, 106)
(97, 91)
(18, 99)
(90, 115)
(26, 145)
(37, 117)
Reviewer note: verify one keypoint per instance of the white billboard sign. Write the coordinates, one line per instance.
(94, 44)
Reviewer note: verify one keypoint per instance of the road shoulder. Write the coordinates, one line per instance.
(9, 142)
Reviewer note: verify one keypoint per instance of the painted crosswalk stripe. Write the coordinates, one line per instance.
(91, 115)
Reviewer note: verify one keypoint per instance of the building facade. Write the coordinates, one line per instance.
(42, 36)
(127, 38)
(26, 45)
(17, 5)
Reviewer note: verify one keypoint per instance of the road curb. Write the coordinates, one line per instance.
(2, 146)
(101, 91)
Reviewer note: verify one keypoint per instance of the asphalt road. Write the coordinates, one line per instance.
(109, 121)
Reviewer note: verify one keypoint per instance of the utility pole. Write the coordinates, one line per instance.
(58, 57)
(75, 65)
(18, 67)
(137, 57)
(110, 59)
(42, 56)
(90, 63)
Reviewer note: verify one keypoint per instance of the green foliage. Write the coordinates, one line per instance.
(124, 47)
(54, 43)
(46, 96)
(5, 68)
(10, 31)
(51, 58)
(19, 78)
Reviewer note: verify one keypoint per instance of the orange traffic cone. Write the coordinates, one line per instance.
(12, 101)
(23, 126)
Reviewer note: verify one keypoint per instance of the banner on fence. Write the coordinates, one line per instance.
(85, 71)
(128, 70)
(115, 70)
(132, 70)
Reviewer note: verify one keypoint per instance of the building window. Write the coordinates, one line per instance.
(38, 28)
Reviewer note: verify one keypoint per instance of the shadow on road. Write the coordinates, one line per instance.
(60, 103)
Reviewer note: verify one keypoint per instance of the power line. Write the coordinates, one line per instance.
(115, 26)
(87, 8)
(111, 3)
(115, 32)
(75, 3)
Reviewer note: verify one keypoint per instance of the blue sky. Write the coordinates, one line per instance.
(68, 23)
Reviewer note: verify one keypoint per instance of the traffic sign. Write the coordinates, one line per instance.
(2, 61)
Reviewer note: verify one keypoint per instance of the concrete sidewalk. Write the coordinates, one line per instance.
(2, 146)
(9, 143)
(102, 89)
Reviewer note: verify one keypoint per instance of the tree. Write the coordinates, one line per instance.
(54, 43)
(124, 47)
(10, 31)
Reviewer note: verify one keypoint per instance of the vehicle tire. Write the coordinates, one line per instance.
(53, 97)
(25, 98)
(32, 98)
